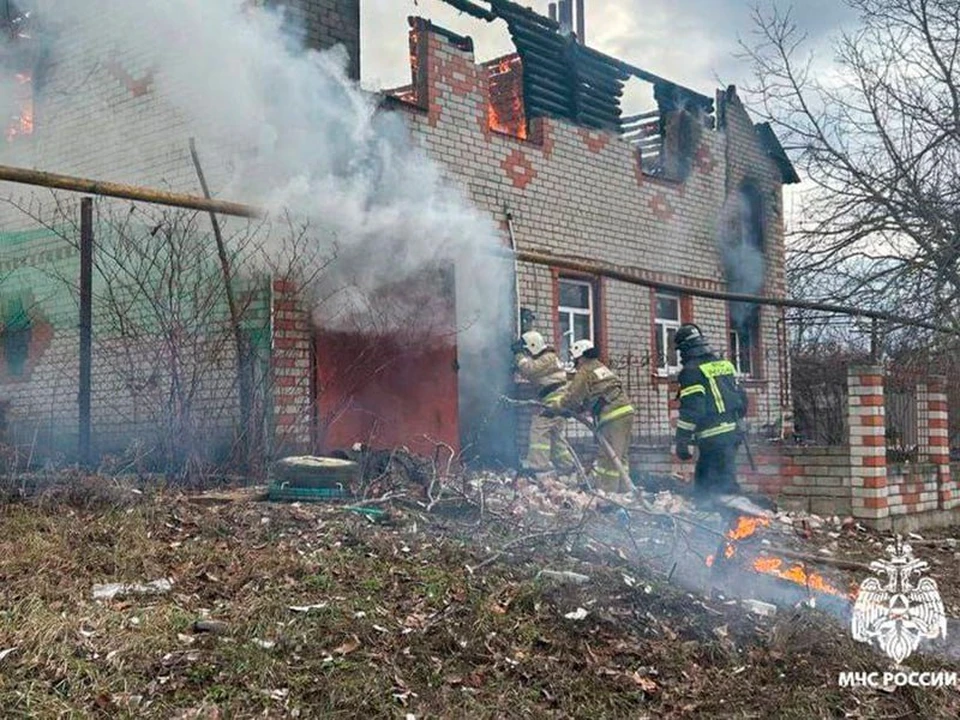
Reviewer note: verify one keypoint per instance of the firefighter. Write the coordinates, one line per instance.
(712, 404)
(597, 390)
(538, 363)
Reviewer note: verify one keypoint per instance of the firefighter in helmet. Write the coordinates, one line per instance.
(712, 404)
(538, 363)
(597, 390)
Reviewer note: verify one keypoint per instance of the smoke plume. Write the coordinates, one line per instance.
(287, 130)
(741, 249)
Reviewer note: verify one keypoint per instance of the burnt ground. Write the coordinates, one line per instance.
(329, 613)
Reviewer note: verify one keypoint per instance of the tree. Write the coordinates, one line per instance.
(877, 138)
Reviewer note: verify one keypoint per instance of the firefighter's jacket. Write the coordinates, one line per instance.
(544, 372)
(711, 399)
(596, 389)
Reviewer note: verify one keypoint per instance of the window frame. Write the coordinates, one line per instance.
(566, 313)
(661, 333)
(752, 348)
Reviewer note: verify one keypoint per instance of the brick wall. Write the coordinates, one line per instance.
(583, 193)
(100, 115)
(291, 368)
(328, 23)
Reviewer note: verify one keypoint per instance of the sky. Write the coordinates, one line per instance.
(692, 42)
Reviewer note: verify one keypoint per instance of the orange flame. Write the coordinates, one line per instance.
(505, 110)
(747, 526)
(22, 123)
(796, 574)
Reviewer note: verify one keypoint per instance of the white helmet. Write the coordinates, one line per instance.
(534, 342)
(579, 348)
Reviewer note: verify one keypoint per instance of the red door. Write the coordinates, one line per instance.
(396, 387)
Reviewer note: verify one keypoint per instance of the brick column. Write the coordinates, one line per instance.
(868, 450)
(933, 437)
(290, 363)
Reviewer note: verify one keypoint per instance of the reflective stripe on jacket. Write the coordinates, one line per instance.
(711, 399)
(597, 389)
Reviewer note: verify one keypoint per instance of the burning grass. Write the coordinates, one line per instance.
(330, 615)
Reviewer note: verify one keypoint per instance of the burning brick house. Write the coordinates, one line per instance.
(689, 195)
(662, 194)
(683, 200)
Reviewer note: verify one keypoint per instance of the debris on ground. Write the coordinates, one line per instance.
(486, 596)
(112, 591)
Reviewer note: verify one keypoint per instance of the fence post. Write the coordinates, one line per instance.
(868, 451)
(86, 328)
(933, 437)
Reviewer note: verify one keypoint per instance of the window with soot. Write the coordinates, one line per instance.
(17, 72)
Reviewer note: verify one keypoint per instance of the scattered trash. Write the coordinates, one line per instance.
(209, 626)
(759, 607)
(307, 608)
(265, 644)
(5, 653)
(111, 591)
(348, 647)
(578, 614)
(564, 576)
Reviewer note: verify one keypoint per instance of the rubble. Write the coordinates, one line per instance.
(374, 616)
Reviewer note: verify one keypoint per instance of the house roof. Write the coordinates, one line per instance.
(563, 78)
(771, 144)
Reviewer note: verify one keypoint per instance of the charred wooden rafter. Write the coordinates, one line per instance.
(565, 79)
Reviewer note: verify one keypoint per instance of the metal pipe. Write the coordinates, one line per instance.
(566, 15)
(86, 329)
(630, 275)
(581, 24)
(126, 192)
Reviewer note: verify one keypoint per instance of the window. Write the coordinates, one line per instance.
(575, 314)
(744, 337)
(666, 323)
(16, 82)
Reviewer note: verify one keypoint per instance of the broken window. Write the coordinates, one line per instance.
(744, 341)
(667, 321)
(576, 313)
(751, 218)
(17, 63)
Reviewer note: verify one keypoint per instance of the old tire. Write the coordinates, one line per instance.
(307, 471)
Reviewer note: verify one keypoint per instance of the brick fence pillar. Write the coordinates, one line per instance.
(933, 437)
(868, 450)
(290, 363)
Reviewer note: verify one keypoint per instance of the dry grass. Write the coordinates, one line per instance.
(404, 628)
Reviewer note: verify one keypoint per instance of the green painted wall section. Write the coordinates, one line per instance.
(141, 310)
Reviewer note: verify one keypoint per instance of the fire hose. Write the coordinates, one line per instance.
(516, 265)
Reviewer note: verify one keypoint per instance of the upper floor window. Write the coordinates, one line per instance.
(576, 313)
(751, 217)
(667, 320)
(16, 75)
(744, 342)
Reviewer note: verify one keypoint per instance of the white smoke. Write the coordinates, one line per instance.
(298, 136)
